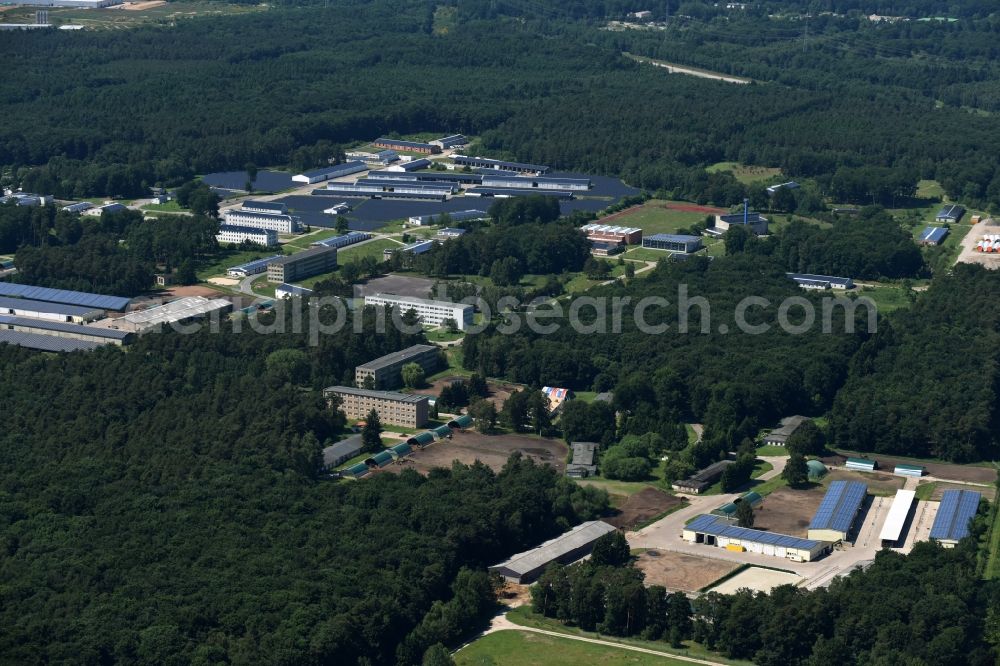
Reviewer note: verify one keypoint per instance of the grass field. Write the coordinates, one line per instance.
(303, 242)
(169, 207)
(523, 648)
(653, 218)
(442, 335)
(886, 297)
(772, 451)
(930, 189)
(371, 249)
(121, 19)
(992, 569)
(229, 257)
(746, 174)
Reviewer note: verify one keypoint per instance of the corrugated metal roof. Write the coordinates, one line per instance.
(48, 343)
(957, 509)
(422, 438)
(893, 526)
(179, 310)
(951, 212)
(517, 192)
(839, 506)
(382, 458)
(62, 327)
(831, 279)
(463, 421)
(715, 526)
(358, 470)
(382, 395)
(349, 448)
(501, 164)
(673, 238)
(933, 235)
(404, 449)
(81, 298)
(550, 551)
(44, 306)
(442, 431)
(401, 356)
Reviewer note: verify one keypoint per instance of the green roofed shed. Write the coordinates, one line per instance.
(442, 431)
(463, 421)
(401, 450)
(381, 459)
(356, 471)
(423, 439)
(816, 468)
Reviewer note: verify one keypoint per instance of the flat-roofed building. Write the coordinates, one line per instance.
(180, 311)
(497, 165)
(416, 247)
(24, 307)
(400, 409)
(526, 567)
(232, 233)
(59, 329)
(272, 207)
(537, 182)
(751, 220)
(330, 172)
(283, 224)
(718, 531)
(49, 295)
(605, 248)
(613, 233)
(385, 372)
(892, 529)
(673, 243)
(431, 313)
(315, 260)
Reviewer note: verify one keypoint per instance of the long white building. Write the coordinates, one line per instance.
(231, 233)
(431, 313)
(283, 224)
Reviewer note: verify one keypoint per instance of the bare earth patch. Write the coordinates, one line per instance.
(641, 506)
(492, 450)
(680, 571)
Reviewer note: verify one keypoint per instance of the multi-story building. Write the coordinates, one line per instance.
(232, 233)
(399, 409)
(431, 313)
(283, 224)
(408, 146)
(315, 260)
(385, 371)
(613, 234)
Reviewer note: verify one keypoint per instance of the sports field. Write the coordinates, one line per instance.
(658, 216)
(522, 648)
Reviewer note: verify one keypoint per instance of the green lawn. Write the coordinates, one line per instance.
(653, 218)
(303, 242)
(442, 335)
(992, 569)
(887, 297)
(229, 257)
(645, 254)
(169, 207)
(525, 617)
(523, 648)
(930, 189)
(692, 435)
(772, 451)
(581, 282)
(746, 174)
(925, 490)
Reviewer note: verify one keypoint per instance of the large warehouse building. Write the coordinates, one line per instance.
(401, 409)
(957, 509)
(892, 533)
(499, 165)
(182, 310)
(330, 172)
(612, 233)
(48, 295)
(74, 314)
(718, 531)
(407, 146)
(385, 371)
(537, 182)
(526, 567)
(315, 260)
(431, 313)
(58, 329)
(838, 511)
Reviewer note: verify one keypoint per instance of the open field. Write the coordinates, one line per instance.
(680, 571)
(227, 258)
(788, 511)
(658, 216)
(524, 648)
(642, 506)
(114, 18)
(491, 450)
(939, 470)
(757, 579)
(370, 249)
(746, 174)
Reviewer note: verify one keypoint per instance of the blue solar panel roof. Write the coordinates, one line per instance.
(839, 506)
(58, 326)
(519, 192)
(933, 234)
(64, 296)
(48, 343)
(717, 526)
(956, 510)
(674, 238)
(7, 302)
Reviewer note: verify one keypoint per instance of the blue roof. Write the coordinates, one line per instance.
(933, 234)
(413, 165)
(293, 289)
(951, 211)
(48, 343)
(839, 506)
(360, 469)
(42, 306)
(498, 164)
(717, 526)
(956, 510)
(64, 296)
(256, 264)
(419, 184)
(265, 205)
(336, 168)
(518, 192)
(674, 238)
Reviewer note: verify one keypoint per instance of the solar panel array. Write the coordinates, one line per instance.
(48, 343)
(61, 327)
(715, 526)
(953, 516)
(839, 506)
(64, 296)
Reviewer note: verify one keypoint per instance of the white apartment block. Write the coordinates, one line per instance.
(283, 224)
(431, 313)
(229, 233)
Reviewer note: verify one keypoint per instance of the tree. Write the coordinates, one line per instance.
(514, 414)
(251, 170)
(450, 325)
(744, 514)
(506, 272)
(437, 655)
(807, 439)
(596, 269)
(371, 442)
(485, 414)
(343, 225)
(629, 270)
(413, 375)
(796, 471)
(678, 618)
(611, 550)
(288, 365)
(186, 273)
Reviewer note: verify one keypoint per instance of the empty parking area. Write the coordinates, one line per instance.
(757, 579)
(491, 450)
(680, 571)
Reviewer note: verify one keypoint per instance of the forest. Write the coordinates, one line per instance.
(926, 608)
(169, 501)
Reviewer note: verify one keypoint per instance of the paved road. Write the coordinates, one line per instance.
(501, 623)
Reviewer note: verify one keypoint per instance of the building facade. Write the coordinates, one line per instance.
(283, 224)
(673, 243)
(231, 233)
(400, 409)
(385, 371)
(408, 146)
(327, 173)
(431, 313)
(315, 260)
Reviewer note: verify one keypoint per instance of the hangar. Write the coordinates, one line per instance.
(526, 567)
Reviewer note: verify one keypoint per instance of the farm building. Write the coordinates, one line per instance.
(932, 236)
(48, 295)
(525, 567)
(957, 509)
(780, 435)
(538, 182)
(612, 233)
(701, 481)
(728, 510)
(330, 172)
(422, 439)
(110, 207)
(400, 450)
(557, 396)
(838, 511)
(382, 157)
(380, 459)
(411, 165)
(59, 329)
(447, 142)
(950, 213)
(385, 372)
(365, 191)
(47, 343)
(430, 177)
(288, 290)
(584, 454)
(462, 422)
(909, 470)
(892, 529)
(24, 307)
(717, 531)
(438, 218)
(673, 243)
(408, 146)
(442, 432)
(861, 464)
(431, 313)
(342, 451)
(356, 471)
(499, 165)
(811, 281)
(507, 192)
(78, 207)
(350, 238)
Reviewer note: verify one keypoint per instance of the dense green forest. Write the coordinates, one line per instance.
(164, 506)
(926, 608)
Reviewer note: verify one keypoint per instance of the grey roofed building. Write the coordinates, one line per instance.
(700, 481)
(932, 235)
(529, 565)
(49, 343)
(606, 396)
(9, 305)
(60, 329)
(488, 163)
(584, 454)
(780, 435)
(396, 357)
(344, 450)
(265, 206)
(811, 280)
(950, 213)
